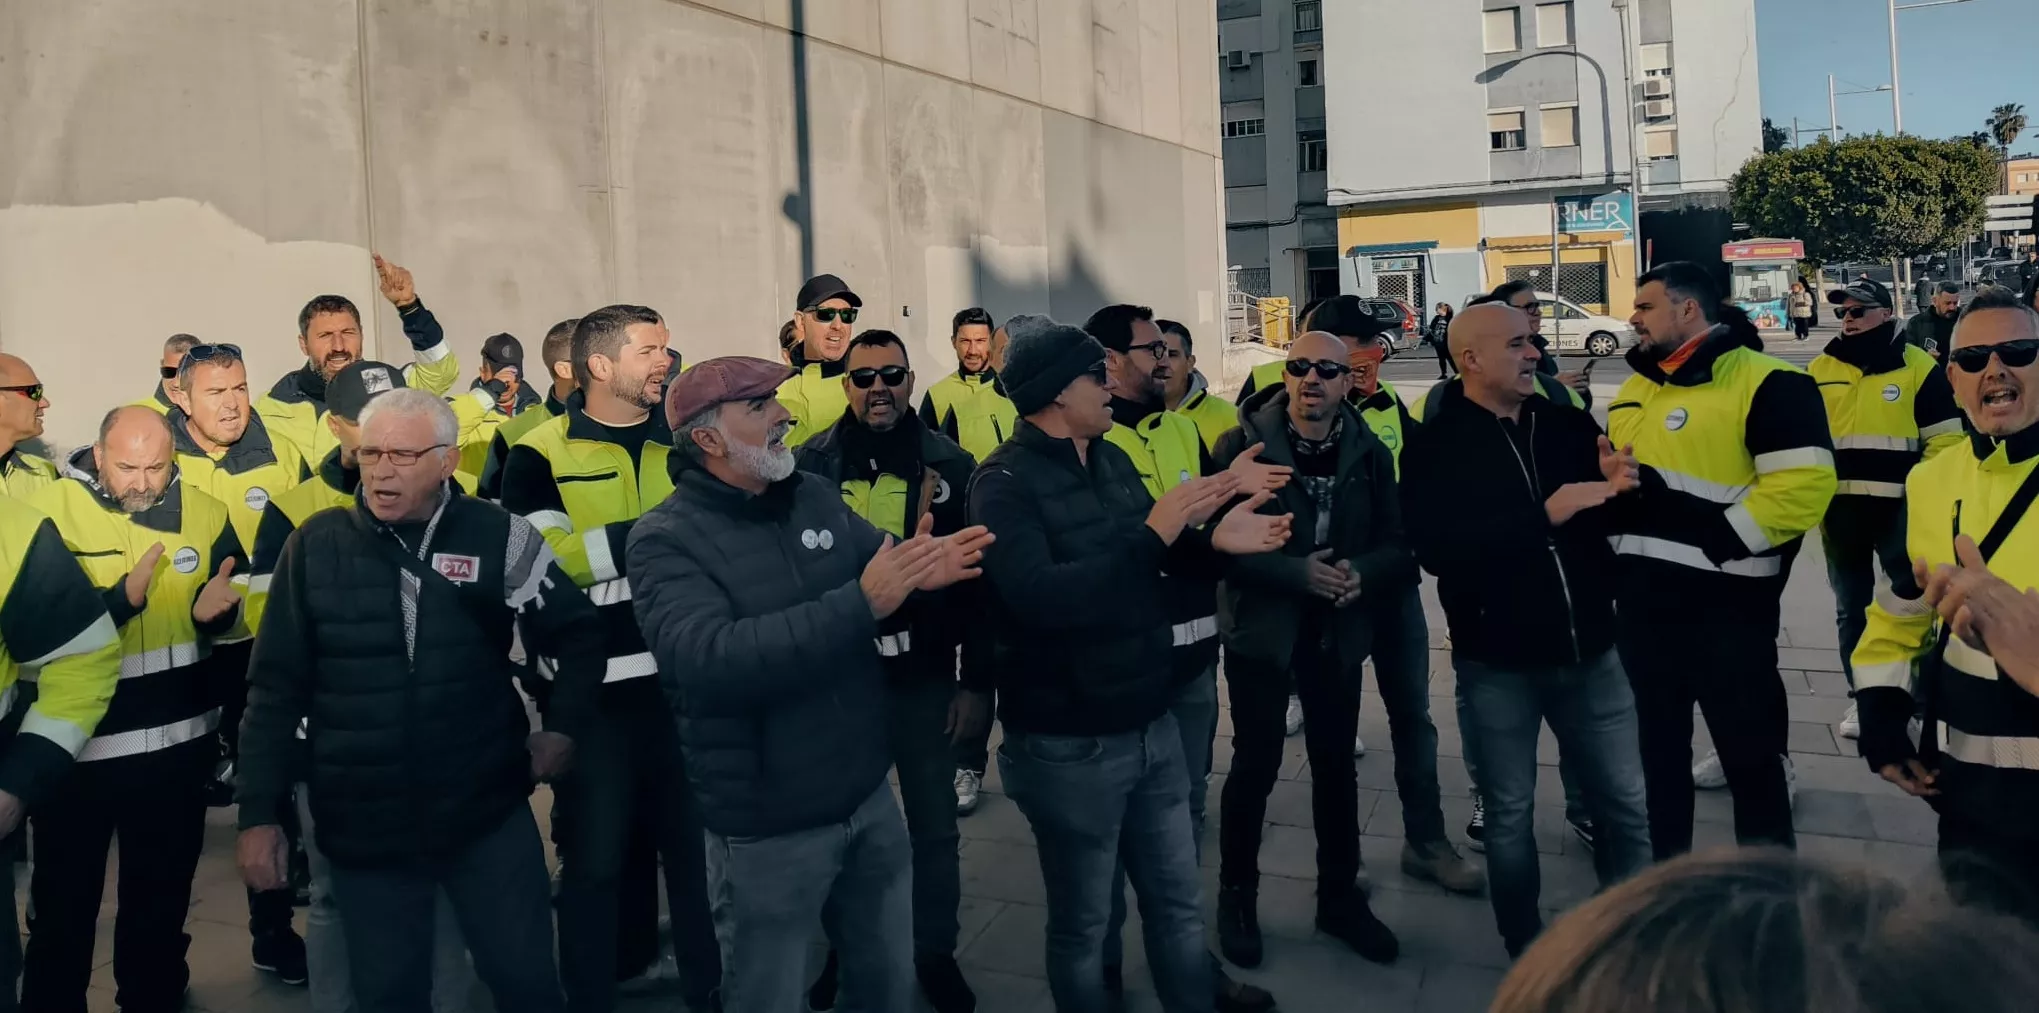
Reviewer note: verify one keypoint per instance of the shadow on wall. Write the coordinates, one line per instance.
(798, 207)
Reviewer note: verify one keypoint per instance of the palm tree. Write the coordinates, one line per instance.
(2006, 122)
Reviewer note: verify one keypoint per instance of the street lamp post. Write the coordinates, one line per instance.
(1833, 117)
(1897, 104)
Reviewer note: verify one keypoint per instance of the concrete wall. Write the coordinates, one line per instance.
(1719, 111)
(208, 165)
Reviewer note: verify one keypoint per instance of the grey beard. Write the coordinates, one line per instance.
(765, 465)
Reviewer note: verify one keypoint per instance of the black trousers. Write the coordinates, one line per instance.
(974, 753)
(626, 766)
(1727, 664)
(1987, 869)
(1445, 367)
(1259, 693)
(154, 804)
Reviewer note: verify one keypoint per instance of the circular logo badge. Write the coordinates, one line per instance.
(257, 497)
(186, 560)
(1185, 475)
(1890, 392)
(809, 539)
(1676, 419)
(827, 540)
(941, 490)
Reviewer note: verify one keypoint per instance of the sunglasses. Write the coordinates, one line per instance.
(893, 376)
(1858, 312)
(1097, 373)
(31, 391)
(200, 353)
(1975, 358)
(169, 372)
(1326, 369)
(829, 314)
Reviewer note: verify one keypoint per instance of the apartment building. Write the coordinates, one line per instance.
(1564, 142)
(1279, 232)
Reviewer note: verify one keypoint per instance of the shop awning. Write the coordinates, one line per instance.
(1379, 248)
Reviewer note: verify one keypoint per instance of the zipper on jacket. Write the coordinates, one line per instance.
(1550, 541)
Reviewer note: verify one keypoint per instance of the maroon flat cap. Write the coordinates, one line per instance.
(719, 381)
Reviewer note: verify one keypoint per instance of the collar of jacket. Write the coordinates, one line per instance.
(366, 520)
(1198, 389)
(553, 403)
(983, 376)
(2019, 447)
(1877, 350)
(303, 384)
(1060, 451)
(1381, 399)
(338, 476)
(162, 398)
(1735, 330)
(581, 426)
(1453, 404)
(904, 450)
(1131, 413)
(253, 450)
(696, 485)
(165, 514)
(829, 370)
(1265, 419)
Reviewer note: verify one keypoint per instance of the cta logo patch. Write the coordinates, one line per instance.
(458, 569)
(257, 497)
(1676, 419)
(186, 560)
(1891, 393)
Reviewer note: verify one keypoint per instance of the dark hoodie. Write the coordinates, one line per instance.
(1265, 602)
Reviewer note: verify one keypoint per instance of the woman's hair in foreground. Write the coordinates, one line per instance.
(1766, 931)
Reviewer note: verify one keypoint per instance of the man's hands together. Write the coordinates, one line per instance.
(922, 563)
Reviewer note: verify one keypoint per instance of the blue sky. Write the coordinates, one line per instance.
(1956, 62)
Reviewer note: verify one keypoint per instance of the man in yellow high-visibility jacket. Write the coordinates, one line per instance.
(970, 334)
(174, 347)
(824, 314)
(1737, 466)
(1189, 392)
(22, 403)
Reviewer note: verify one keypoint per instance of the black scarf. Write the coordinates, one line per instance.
(868, 453)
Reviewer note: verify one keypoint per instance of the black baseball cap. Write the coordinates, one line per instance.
(821, 288)
(1863, 290)
(501, 350)
(352, 388)
(1347, 317)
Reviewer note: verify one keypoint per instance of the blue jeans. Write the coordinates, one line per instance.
(1092, 800)
(1196, 717)
(1575, 799)
(1401, 664)
(1591, 709)
(855, 878)
(1857, 554)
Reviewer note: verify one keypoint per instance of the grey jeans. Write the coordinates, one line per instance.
(1196, 717)
(855, 877)
(325, 941)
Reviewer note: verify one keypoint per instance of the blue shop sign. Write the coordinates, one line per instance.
(1607, 212)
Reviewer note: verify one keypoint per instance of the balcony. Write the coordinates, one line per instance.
(1309, 21)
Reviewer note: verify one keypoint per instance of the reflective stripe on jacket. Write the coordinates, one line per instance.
(53, 623)
(1888, 407)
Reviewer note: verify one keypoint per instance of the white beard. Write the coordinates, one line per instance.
(766, 464)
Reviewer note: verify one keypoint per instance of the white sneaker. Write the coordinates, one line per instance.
(1707, 774)
(1358, 746)
(1790, 781)
(1851, 724)
(968, 784)
(1293, 721)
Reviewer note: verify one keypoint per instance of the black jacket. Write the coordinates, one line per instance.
(937, 475)
(1262, 604)
(1516, 591)
(1930, 331)
(415, 728)
(1076, 600)
(765, 647)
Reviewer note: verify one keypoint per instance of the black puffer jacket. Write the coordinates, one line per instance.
(765, 647)
(415, 728)
(1262, 604)
(1076, 602)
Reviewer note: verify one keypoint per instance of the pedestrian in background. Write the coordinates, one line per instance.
(1439, 337)
(1800, 303)
(1932, 327)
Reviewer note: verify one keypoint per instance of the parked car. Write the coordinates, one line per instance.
(1408, 332)
(1572, 329)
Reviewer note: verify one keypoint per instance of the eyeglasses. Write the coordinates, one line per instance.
(1975, 358)
(200, 353)
(1097, 373)
(1157, 349)
(893, 376)
(372, 456)
(1326, 369)
(1858, 312)
(830, 314)
(31, 391)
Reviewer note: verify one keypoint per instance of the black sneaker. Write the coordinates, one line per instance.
(1345, 916)
(1237, 996)
(1584, 829)
(822, 995)
(282, 955)
(942, 982)
(1239, 926)
(1476, 828)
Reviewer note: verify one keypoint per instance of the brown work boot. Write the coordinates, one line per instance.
(1236, 996)
(1438, 862)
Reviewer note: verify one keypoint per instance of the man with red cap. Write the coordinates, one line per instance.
(761, 595)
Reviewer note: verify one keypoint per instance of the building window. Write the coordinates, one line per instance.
(1656, 59)
(1560, 126)
(1309, 16)
(1245, 128)
(1306, 73)
(1311, 153)
(1504, 131)
(1660, 144)
(1553, 25)
(1504, 30)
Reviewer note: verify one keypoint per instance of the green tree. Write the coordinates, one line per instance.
(1775, 138)
(1868, 199)
(2006, 122)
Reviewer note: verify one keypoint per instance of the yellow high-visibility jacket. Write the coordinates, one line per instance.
(22, 474)
(53, 623)
(295, 408)
(815, 398)
(1889, 406)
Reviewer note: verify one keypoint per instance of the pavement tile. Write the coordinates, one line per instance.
(1912, 863)
(1832, 813)
(997, 818)
(1457, 988)
(1809, 737)
(1827, 683)
(1820, 659)
(1903, 820)
(1825, 710)
(1795, 682)
(997, 870)
(1011, 943)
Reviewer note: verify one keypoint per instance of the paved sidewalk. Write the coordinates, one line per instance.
(1451, 957)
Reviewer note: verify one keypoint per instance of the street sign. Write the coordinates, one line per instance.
(1763, 249)
(2013, 213)
(1607, 212)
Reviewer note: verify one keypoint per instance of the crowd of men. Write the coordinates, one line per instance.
(743, 594)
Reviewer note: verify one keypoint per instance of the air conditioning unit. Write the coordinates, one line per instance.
(1238, 59)
(1658, 110)
(1657, 87)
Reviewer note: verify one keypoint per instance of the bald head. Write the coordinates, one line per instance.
(15, 371)
(1491, 344)
(1314, 397)
(133, 456)
(21, 404)
(1318, 345)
